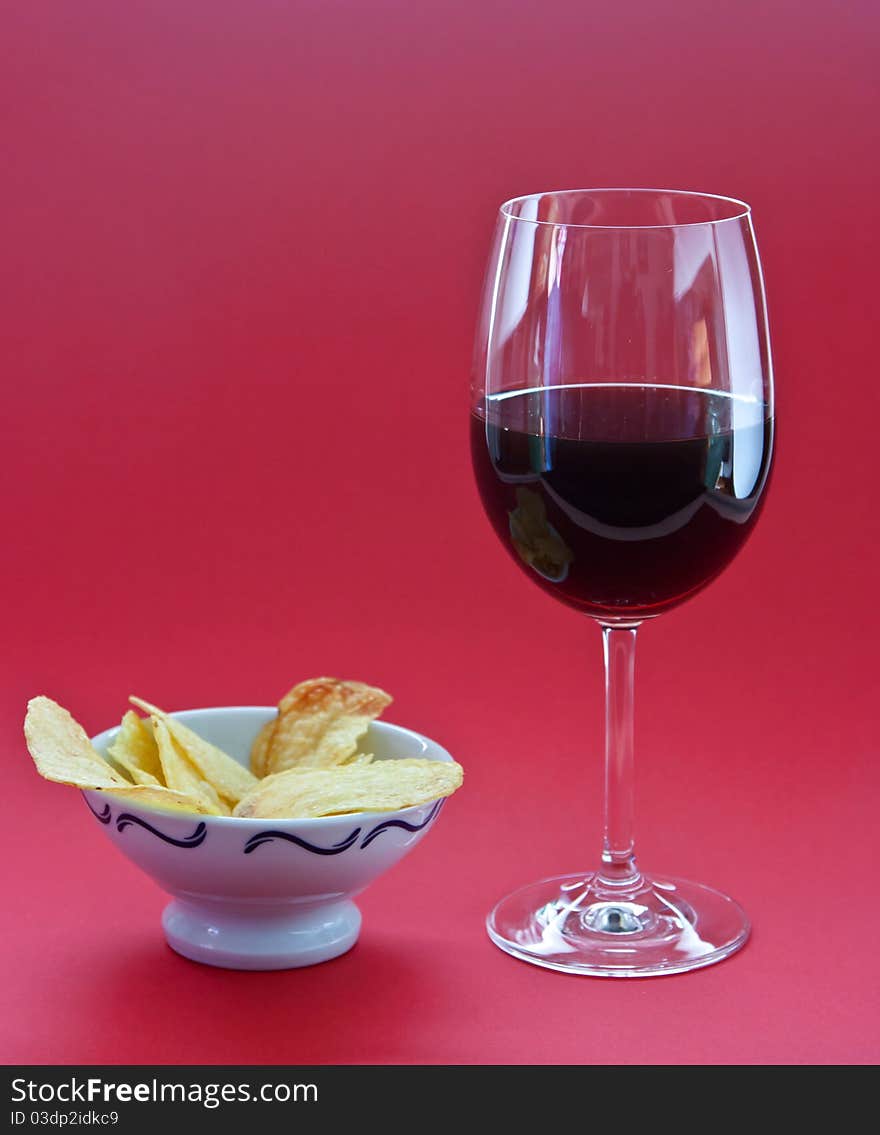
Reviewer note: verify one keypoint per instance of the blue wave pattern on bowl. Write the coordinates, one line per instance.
(126, 819)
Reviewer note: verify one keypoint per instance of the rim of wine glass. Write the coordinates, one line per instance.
(744, 207)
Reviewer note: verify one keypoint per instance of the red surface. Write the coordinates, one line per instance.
(242, 249)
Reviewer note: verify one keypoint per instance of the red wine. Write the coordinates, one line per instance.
(622, 499)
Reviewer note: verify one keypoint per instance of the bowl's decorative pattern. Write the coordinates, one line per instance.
(388, 824)
(104, 816)
(126, 819)
(344, 844)
(268, 836)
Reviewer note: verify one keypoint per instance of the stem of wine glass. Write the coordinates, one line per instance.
(618, 859)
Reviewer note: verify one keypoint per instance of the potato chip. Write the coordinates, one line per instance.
(155, 796)
(230, 779)
(134, 749)
(382, 786)
(260, 748)
(61, 749)
(320, 722)
(180, 775)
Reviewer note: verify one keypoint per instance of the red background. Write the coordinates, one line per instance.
(242, 249)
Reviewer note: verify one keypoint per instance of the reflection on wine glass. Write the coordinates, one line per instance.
(537, 542)
(622, 434)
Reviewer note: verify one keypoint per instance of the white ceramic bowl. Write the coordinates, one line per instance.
(265, 894)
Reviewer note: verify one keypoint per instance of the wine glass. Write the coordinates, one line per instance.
(622, 434)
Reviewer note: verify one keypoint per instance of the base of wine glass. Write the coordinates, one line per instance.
(578, 924)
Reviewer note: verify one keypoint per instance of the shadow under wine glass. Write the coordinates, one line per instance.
(622, 434)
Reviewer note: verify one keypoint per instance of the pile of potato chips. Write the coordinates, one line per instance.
(304, 762)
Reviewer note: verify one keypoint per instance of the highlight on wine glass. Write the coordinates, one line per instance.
(622, 433)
